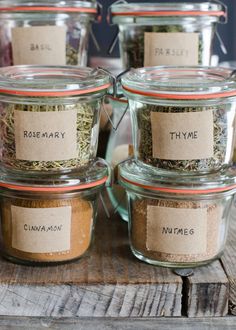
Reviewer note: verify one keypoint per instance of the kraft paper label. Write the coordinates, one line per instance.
(171, 48)
(183, 136)
(177, 231)
(45, 136)
(39, 45)
(41, 230)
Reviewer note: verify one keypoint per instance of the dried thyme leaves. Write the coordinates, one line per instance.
(145, 147)
(86, 121)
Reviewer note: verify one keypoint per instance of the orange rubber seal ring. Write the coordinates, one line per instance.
(182, 191)
(68, 9)
(62, 93)
(172, 13)
(53, 189)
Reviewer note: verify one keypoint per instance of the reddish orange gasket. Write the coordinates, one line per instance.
(53, 189)
(172, 13)
(67, 9)
(182, 191)
(62, 93)
(182, 96)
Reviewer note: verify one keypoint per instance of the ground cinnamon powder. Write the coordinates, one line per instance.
(80, 233)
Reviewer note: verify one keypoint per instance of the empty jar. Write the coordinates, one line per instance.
(50, 116)
(166, 33)
(177, 221)
(45, 32)
(183, 118)
(49, 219)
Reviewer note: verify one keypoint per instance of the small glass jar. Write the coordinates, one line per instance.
(50, 116)
(177, 222)
(49, 219)
(183, 118)
(45, 32)
(153, 34)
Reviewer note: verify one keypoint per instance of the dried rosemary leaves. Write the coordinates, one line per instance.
(49, 137)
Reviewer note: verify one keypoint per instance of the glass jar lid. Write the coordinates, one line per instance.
(133, 175)
(50, 81)
(86, 6)
(96, 175)
(179, 83)
(122, 10)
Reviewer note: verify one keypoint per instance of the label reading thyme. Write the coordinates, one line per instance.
(41, 230)
(39, 45)
(172, 48)
(46, 136)
(182, 136)
(178, 231)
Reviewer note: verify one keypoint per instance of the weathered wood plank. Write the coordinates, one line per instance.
(229, 261)
(208, 291)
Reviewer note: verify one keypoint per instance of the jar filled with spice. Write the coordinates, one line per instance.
(166, 33)
(183, 118)
(50, 116)
(49, 219)
(177, 221)
(45, 32)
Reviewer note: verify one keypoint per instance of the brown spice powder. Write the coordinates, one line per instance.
(80, 236)
(139, 230)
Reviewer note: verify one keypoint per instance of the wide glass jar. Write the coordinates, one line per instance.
(45, 32)
(153, 34)
(183, 118)
(50, 116)
(48, 219)
(177, 222)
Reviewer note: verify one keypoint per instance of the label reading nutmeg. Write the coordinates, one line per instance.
(41, 230)
(171, 48)
(183, 136)
(176, 230)
(44, 45)
(46, 136)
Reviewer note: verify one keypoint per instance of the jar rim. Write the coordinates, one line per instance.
(77, 180)
(50, 81)
(132, 174)
(180, 82)
(87, 6)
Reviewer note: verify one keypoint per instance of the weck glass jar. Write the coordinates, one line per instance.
(49, 219)
(45, 32)
(183, 118)
(153, 34)
(50, 116)
(177, 221)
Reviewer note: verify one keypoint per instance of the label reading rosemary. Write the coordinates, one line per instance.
(41, 230)
(177, 48)
(182, 136)
(39, 45)
(46, 136)
(178, 231)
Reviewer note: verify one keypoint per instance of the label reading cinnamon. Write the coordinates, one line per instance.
(41, 230)
(171, 48)
(44, 45)
(45, 136)
(176, 231)
(183, 136)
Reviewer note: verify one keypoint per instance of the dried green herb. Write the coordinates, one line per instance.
(145, 147)
(86, 120)
(132, 44)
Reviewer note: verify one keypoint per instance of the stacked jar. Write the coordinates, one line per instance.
(180, 184)
(50, 177)
(152, 34)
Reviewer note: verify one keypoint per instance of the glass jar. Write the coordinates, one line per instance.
(49, 219)
(183, 118)
(45, 32)
(50, 116)
(177, 222)
(153, 34)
